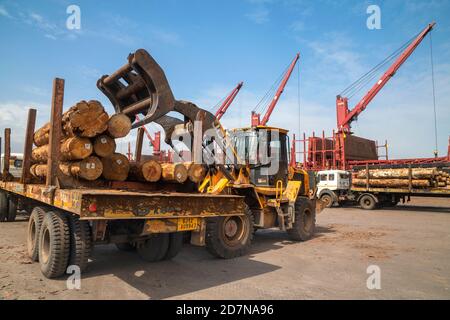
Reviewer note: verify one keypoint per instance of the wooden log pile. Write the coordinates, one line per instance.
(402, 177)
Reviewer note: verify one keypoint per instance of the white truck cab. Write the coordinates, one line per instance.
(15, 164)
(332, 185)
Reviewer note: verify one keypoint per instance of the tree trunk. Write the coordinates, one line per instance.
(73, 148)
(90, 168)
(395, 183)
(196, 172)
(174, 172)
(147, 171)
(116, 167)
(403, 173)
(85, 119)
(119, 125)
(104, 146)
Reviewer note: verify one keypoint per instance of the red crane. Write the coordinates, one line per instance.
(256, 116)
(154, 142)
(345, 116)
(228, 101)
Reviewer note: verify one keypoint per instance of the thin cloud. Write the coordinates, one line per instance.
(4, 12)
(259, 15)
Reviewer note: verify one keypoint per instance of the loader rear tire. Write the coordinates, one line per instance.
(230, 237)
(305, 220)
(126, 246)
(80, 242)
(175, 245)
(3, 206)
(54, 244)
(12, 209)
(34, 229)
(154, 248)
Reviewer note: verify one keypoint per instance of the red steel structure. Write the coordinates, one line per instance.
(154, 142)
(256, 116)
(332, 152)
(228, 101)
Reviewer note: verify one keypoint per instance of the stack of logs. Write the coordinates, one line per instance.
(400, 178)
(88, 150)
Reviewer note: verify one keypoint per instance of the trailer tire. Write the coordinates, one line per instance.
(12, 209)
(367, 202)
(175, 245)
(126, 246)
(80, 242)
(3, 206)
(305, 220)
(34, 229)
(327, 200)
(54, 244)
(154, 248)
(235, 241)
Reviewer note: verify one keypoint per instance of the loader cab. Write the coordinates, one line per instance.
(265, 150)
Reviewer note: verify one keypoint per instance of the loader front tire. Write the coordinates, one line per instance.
(54, 244)
(305, 220)
(154, 248)
(34, 229)
(230, 236)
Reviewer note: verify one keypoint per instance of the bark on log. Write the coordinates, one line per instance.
(85, 119)
(174, 172)
(104, 146)
(394, 183)
(116, 167)
(74, 148)
(146, 171)
(417, 173)
(90, 168)
(196, 172)
(119, 125)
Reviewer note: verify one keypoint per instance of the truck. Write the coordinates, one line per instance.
(337, 187)
(69, 217)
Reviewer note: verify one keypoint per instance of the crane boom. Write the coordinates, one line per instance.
(228, 101)
(155, 142)
(273, 103)
(345, 116)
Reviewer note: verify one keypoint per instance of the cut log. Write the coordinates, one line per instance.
(104, 146)
(403, 173)
(147, 171)
(196, 172)
(116, 167)
(74, 148)
(174, 172)
(119, 125)
(393, 183)
(38, 170)
(85, 119)
(90, 168)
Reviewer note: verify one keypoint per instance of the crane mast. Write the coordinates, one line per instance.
(228, 101)
(345, 116)
(256, 116)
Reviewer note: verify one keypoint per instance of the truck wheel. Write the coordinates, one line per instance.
(126, 246)
(175, 245)
(34, 228)
(154, 248)
(12, 209)
(305, 220)
(367, 202)
(230, 237)
(54, 244)
(80, 242)
(327, 200)
(3, 206)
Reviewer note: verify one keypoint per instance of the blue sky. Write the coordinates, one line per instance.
(207, 47)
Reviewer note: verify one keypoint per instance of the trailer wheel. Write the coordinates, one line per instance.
(12, 209)
(230, 237)
(54, 244)
(154, 248)
(367, 202)
(305, 220)
(80, 242)
(327, 200)
(3, 206)
(34, 229)
(126, 246)
(175, 245)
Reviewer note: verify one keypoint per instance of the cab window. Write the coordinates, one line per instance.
(323, 177)
(331, 177)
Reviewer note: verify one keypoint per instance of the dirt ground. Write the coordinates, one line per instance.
(410, 244)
